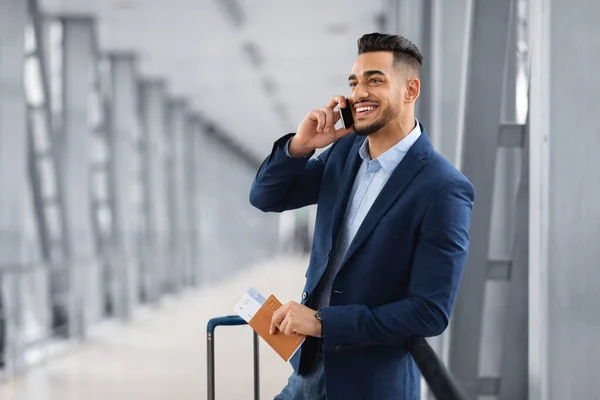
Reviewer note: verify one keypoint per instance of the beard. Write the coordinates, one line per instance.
(386, 117)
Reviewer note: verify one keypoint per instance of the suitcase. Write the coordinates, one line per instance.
(230, 320)
(442, 384)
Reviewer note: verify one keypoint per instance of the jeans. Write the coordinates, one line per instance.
(309, 387)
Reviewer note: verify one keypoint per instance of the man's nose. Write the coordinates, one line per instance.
(358, 93)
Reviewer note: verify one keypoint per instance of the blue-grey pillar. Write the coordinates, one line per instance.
(153, 115)
(414, 22)
(564, 207)
(180, 221)
(170, 196)
(451, 22)
(514, 366)
(500, 289)
(225, 245)
(488, 39)
(193, 171)
(422, 22)
(124, 157)
(13, 178)
(451, 74)
(78, 80)
(410, 21)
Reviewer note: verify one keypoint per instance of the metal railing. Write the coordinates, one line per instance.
(37, 320)
(440, 381)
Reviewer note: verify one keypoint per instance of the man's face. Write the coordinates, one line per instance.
(377, 89)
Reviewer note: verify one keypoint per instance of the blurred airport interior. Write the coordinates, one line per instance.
(131, 131)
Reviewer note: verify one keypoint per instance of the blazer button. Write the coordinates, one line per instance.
(304, 295)
(328, 254)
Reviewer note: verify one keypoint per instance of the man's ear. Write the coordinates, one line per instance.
(413, 90)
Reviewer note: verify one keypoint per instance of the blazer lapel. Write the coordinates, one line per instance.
(351, 168)
(404, 173)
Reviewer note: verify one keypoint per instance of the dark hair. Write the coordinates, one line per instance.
(405, 52)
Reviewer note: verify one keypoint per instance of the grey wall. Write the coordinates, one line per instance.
(565, 211)
(574, 237)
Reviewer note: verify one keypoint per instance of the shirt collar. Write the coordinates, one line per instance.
(392, 157)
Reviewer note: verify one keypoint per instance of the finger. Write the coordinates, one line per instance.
(329, 124)
(284, 325)
(289, 327)
(319, 116)
(289, 331)
(336, 100)
(276, 322)
(336, 117)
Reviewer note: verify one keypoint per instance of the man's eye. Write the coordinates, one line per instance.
(352, 84)
(375, 80)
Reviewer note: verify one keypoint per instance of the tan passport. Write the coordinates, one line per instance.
(284, 345)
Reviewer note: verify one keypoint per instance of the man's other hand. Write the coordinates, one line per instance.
(295, 319)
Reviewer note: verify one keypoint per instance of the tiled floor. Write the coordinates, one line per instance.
(162, 355)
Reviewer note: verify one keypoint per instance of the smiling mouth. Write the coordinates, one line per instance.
(364, 111)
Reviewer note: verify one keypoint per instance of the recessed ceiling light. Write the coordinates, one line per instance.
(253, 53)
(232, 11)
(268, 85)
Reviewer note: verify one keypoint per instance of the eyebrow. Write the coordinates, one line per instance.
(367, 74)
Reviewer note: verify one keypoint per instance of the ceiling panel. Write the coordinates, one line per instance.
(305, 49)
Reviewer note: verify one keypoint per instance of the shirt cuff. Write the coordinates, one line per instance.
(286, 149)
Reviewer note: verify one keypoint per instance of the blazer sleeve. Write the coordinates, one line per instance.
(285, 183)
(437, 270)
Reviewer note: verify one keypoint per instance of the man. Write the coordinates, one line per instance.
(391, 234)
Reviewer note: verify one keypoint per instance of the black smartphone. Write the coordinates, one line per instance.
(346, 113)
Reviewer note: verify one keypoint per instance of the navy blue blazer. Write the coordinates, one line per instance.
(401, 273)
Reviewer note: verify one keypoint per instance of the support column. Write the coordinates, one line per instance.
(193, 170)
(514, 358)
(216, 225)
(78, 82)
(451, 22)
(502, 288)
(180, 226)
(455, 24)
(205, 151)
(414, 23)
(514, 366)
(426, 106)
(153, 115)
(121, 142)
(482, 125)
(410, 21)
(13, 177)
(564, 207)
(421, 22)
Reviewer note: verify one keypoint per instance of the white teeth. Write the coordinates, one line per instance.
(361, 109)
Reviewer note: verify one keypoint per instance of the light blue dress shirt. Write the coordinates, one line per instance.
(370, 180)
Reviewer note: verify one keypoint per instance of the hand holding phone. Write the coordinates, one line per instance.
(317, 130)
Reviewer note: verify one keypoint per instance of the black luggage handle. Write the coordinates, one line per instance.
(230, 320)
(442, 383)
